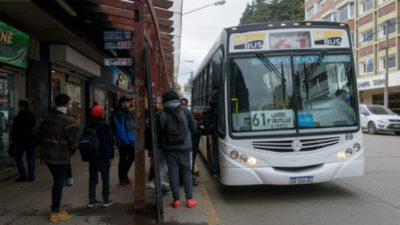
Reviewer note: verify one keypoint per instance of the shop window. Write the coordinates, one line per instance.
(394, 101)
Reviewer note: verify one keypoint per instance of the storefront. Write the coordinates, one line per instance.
(371, 90)
(110, 87)
(70, 74)
(14, 52)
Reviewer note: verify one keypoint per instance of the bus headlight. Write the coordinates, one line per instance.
(234, 154)
(252, 161)
(243, 159)
(349, 152)
(341, 156)
(356, 147)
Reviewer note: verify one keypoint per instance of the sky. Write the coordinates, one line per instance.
(201, 28)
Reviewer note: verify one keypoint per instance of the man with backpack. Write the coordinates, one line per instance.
(59, 139)
(98, 142)
(124, 131)
(175, 126)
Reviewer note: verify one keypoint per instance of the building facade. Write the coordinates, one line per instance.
(331, 11)
(370, 54)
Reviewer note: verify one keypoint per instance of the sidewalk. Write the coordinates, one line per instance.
(28, 203)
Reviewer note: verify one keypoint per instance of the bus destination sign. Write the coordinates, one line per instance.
(288, 39)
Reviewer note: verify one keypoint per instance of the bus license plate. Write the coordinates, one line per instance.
(301, 180)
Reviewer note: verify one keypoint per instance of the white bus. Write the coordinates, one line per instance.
(287, 104)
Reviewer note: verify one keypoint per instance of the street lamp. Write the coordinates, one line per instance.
(221, 2)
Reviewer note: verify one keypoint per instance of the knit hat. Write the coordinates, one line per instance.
(97, 111)
(169, 96)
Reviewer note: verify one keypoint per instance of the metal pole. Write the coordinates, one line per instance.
(386, 95)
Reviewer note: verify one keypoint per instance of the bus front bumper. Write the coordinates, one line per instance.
(276, 176)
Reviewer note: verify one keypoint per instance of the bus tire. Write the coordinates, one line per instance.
(371, 128)
(397, 132)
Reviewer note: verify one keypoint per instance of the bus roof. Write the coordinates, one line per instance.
(285, 25)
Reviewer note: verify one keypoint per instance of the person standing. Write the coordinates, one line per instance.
(59, 139)
(102, 161)
(23, 139)
(175, 126)
(124, 131)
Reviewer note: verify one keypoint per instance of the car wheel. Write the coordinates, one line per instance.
(371, 128)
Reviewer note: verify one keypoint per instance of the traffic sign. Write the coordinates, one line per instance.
(117, 61)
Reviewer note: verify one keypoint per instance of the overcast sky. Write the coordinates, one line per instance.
(201, 28)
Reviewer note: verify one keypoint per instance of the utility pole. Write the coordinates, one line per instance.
(386, 95)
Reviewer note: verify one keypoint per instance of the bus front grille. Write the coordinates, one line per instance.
(296, 145)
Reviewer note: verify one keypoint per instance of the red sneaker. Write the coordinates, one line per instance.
(128, 181)
(175, 204)
(124, 183)
(191, 203)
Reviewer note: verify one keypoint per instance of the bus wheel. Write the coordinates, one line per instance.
(371, 128)
(397, 132)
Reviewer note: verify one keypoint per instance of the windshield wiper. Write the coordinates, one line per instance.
(267, 63)
(309, 76)
(270, 66)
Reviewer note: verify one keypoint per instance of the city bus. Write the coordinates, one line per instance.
(288, 105)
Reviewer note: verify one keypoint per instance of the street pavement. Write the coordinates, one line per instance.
(368, 200)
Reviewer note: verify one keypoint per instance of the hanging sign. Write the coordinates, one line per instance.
(118, 45)
(117, 61)
(122, 80)
(117, 35)
(14, 46)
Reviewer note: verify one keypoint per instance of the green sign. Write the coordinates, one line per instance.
(14, 46)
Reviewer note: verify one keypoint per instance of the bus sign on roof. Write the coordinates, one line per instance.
(288, 39)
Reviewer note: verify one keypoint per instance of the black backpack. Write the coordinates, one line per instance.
(89, 144)
(175, 128)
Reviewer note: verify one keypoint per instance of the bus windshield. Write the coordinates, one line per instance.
(292, 92)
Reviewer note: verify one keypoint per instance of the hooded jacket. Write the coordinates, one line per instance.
(123, 127)
(187, 117)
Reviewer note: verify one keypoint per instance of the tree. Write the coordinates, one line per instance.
(259, 11)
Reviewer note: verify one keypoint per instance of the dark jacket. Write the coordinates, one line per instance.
(123, 127)
(187, 117)
(21, 130)
(105, 136)
(59, 138)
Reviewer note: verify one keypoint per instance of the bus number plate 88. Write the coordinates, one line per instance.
(301, 180)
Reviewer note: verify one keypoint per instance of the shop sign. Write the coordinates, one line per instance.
(117, 61)
(122, 80)
(14, 46)
(117, 35)
(118, 45)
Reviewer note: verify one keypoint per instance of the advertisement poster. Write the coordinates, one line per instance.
(14, 46)
(122, 80)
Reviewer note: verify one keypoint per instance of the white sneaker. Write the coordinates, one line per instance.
(166, 184)
(150, 185)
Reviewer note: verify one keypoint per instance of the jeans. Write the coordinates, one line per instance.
(126, 158)
(102, 166)
(180, 162)
(59, 173)
(30, 156)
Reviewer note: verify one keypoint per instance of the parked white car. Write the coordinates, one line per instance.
(378, 119)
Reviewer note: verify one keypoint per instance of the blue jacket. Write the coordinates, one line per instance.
(124, 128)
